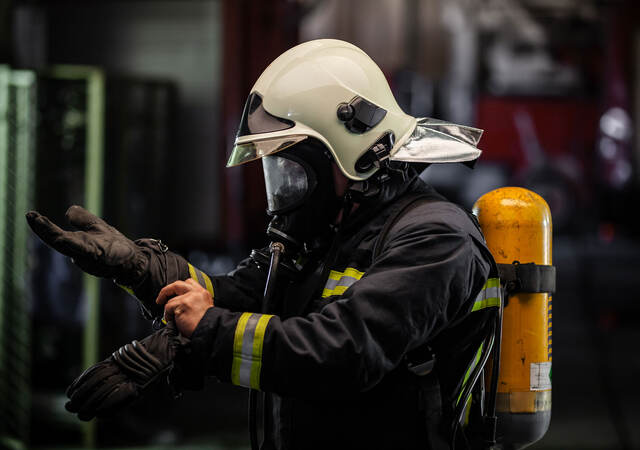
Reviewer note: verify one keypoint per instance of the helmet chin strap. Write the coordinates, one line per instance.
(371, 187)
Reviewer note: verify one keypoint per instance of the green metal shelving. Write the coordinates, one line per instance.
(93, 197)
(17, 146)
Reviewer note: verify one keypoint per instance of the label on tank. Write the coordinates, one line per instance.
(540, 376)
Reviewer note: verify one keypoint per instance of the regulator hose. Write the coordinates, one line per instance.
(491, 420)
(459, 411)
(276, 249)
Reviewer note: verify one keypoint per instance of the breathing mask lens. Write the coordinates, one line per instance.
(286, 182)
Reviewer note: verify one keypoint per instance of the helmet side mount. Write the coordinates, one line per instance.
(360, 115)
(377, 155)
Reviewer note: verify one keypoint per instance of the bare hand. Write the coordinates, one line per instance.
(185, 303)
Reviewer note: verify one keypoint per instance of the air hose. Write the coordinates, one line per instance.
(276, 249)
(491, 347)
(491, 419)
(459, 412)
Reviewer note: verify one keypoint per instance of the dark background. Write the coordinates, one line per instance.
(554, 84)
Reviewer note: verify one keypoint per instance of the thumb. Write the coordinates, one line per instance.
(82, 219)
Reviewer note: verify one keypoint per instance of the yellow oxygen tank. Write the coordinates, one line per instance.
(517, 225)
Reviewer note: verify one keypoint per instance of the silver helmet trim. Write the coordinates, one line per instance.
(437, 141)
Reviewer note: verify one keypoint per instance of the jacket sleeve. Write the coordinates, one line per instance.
(427, 274)
(240, 290)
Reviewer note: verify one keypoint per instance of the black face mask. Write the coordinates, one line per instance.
(300, 193)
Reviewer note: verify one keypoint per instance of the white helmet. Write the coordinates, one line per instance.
(332, 91)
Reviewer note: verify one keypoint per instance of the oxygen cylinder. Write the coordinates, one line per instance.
(517, 225)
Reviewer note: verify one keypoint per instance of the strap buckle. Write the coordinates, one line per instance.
(423, 368)
(530, 277)
(161, 245)
(382, 154)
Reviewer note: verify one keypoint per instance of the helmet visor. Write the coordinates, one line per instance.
(256, 120)
(286, 182)
(252, 150)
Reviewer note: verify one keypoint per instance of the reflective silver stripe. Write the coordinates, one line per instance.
(338, 282)
(343, 281)
(489, 296)
(127, 288)
(247, 351)
(202, 278)
(488, 293)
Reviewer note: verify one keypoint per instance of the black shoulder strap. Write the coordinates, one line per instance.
(401, 207)
(437, 414)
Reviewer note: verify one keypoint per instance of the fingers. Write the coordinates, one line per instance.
(187, 310)
(192, 282)
(92, 385)
(82, 219)
(84, 377)
(171, 290)
(68, 243)
(117, 400)
(90, 402)
(101, 390)
(43, 227)
(173, 308)
(105, 401)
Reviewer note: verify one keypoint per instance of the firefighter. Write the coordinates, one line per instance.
(360, 320)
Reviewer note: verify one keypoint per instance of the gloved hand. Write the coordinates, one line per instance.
(98, 248)
(109, 386)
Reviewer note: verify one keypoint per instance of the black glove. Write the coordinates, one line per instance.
(110, 385)
(98, 248)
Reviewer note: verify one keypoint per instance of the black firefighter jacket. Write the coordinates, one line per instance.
(333, 356)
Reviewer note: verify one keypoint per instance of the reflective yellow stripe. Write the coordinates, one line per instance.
(207, 281)
(202, 278)
(472, 366)
(351, 272)
(489, 296)
(237, 347)
(486, 303)
(467, 413)
(126, 288)
(338, 282)
(248, 343)
(192, 272)
(258, 342)
(333, 275)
